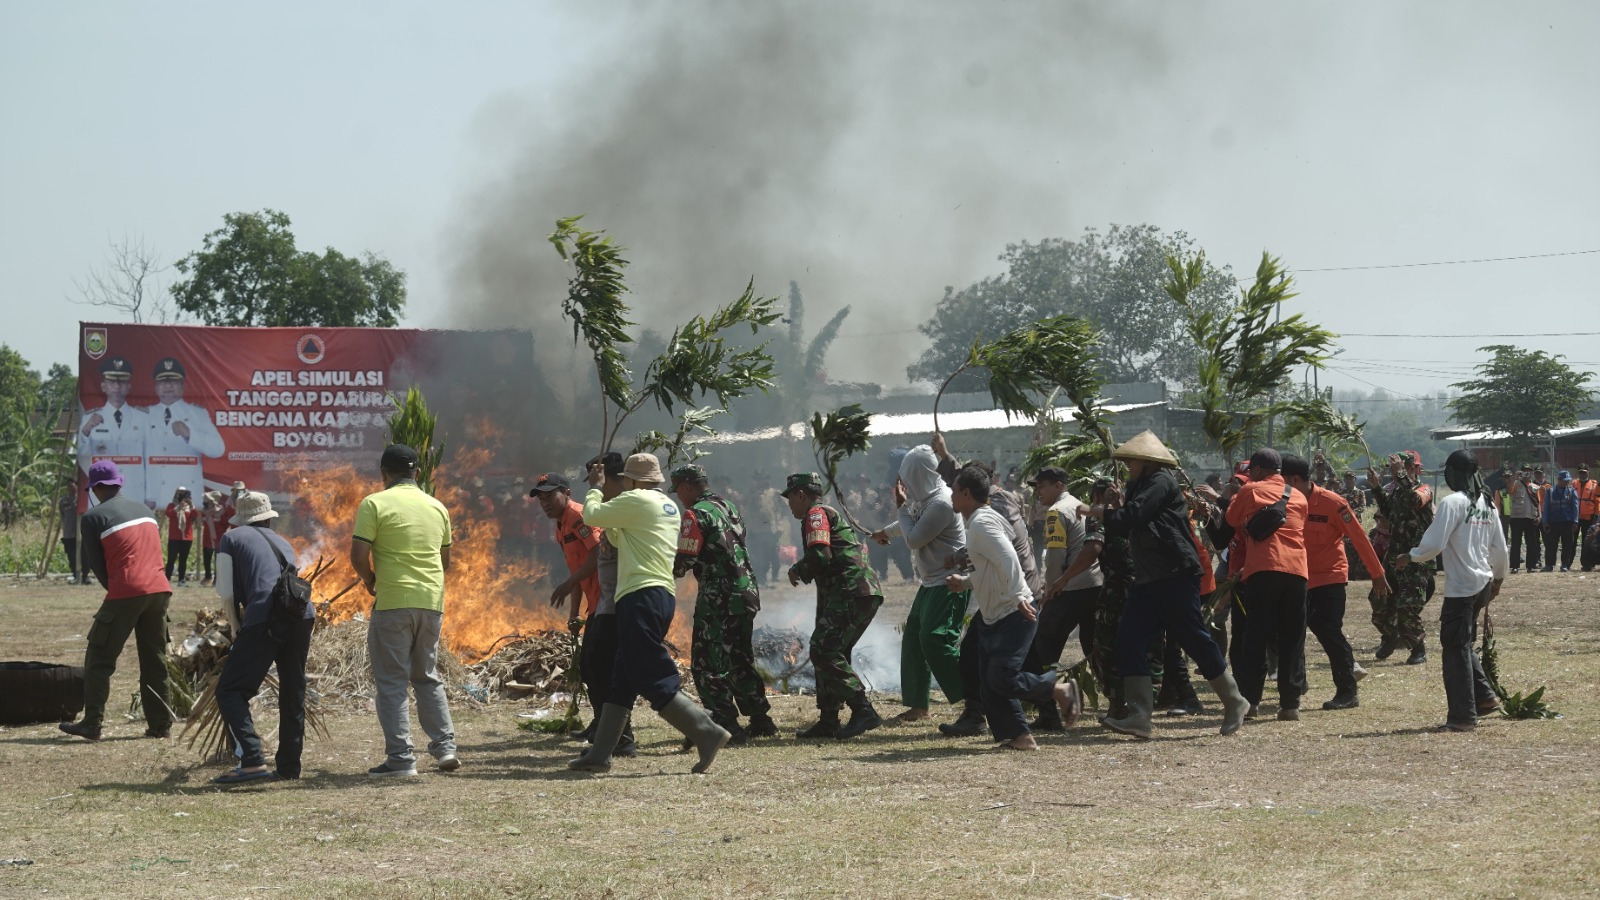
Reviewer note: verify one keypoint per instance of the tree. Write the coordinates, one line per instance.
(1524, 393)
(248, 272)
(128, 282)
(1112, 280)
(1245, 352)
(34, 462)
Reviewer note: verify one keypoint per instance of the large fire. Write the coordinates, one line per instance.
(494, 588)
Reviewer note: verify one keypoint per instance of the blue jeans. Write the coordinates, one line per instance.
(1002, 647)
(643, 666)
(1174, 604)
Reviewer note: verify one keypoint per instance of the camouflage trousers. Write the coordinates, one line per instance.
(841, 621)
(1103, 656)
(724, 666)
(1399, 616)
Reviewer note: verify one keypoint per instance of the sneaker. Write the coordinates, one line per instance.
(1253, 711)
(1342, 700)
(389, 770)
(1358, 673)
(78, 729)
(158, 732)
(446, 763)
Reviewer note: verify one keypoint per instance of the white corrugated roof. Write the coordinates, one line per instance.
(885, 425)
(1582, 426)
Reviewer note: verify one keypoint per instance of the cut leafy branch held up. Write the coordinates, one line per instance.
(835, 437)
(699, 359)
(1316, 416)
(694, 426)
(1245, 356)
(1056, 352)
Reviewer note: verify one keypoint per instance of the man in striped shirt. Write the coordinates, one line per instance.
(122, 547)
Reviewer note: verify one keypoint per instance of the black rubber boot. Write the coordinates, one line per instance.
(827, 726)
(970, 723)
(1419, 655)
(761, 725)
(1188, 703)
(863, 718)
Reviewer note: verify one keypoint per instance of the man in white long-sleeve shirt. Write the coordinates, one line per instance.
(1006, 617)
(1466, 530)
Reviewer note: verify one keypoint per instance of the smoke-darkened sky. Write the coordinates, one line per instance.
(875, 155)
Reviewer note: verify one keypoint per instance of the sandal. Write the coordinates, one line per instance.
(238, 776)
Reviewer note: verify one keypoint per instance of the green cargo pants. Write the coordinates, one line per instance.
(146, 619)
(931, 646)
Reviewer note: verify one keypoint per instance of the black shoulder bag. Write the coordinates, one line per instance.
(1268, 519)
(291, 595)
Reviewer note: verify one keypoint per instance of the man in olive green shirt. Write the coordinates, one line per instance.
(643, 524)
(401, 549)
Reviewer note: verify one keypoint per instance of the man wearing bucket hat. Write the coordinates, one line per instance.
(1166, 588)
(644, 524)
(121, 545)
(250, 560)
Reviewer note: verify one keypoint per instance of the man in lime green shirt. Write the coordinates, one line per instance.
(401, 549)
(643, 524)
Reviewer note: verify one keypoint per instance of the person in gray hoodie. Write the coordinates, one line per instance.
(934, 533)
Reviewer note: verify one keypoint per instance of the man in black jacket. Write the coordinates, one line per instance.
(1166, 590)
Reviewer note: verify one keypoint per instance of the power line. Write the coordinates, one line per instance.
(1413, 336)
(1449, 262)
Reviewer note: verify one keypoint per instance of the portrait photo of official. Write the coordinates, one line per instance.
(179, 434)
(117, 430)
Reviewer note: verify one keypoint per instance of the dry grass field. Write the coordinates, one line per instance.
(1340, 804)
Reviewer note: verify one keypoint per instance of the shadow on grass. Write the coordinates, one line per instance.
(1391, 732)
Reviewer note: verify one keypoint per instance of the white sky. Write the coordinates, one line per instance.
(1333, 134)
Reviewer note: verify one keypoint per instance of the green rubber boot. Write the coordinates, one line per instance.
(688, 717)
(607, 731)
(1137, 693)
(1234, 705)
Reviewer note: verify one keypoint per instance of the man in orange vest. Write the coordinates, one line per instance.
(1588, 500)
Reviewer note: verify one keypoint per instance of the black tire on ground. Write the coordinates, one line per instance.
(32, 692)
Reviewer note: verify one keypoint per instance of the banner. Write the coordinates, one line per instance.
(204, 407)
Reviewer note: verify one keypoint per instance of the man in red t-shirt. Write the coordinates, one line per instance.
(1274, 580)
(575, 539)
(1329, 520)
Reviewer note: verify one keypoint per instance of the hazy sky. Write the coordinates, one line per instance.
(875, 156)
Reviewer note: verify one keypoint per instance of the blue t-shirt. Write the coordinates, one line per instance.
(256, 571)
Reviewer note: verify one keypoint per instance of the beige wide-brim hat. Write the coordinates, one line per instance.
(254, 506)
(1147, 447)
(643, 467)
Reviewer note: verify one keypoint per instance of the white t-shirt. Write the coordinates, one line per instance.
(998, 584)
(1472, 542)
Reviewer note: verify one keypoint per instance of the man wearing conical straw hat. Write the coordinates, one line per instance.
(1154, 516)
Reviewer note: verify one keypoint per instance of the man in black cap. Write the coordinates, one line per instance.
(179, 434)
(1072, 583)
(116, 431)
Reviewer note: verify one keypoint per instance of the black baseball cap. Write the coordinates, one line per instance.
(1049, 473)
(1266, 458)
(398, 458)
(550, 481)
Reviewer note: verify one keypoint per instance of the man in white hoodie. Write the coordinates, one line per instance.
(1466, 530)
(932, 638)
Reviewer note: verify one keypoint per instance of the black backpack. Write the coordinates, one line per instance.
(292, 594)
(1268, 519)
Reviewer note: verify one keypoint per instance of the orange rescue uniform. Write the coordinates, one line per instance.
(1285, 549)
(577, 540)
(1329, 520)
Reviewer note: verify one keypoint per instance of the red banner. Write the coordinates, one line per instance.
(203, 407)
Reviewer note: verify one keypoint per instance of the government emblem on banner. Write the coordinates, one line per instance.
(310, 349)
(94, 342)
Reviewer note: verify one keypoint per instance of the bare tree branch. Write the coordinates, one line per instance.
(129, 282)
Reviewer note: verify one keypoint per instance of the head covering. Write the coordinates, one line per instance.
(803, 481)
(1147, 447)
(254, 506)
(398, 458)
(919, 472)
(688, 472)
(115, 368)
(1050, 473)
(643, 467)
(1414, 459)
(1266, 458)
(238, 485)
(550, 481)
(104, 471)
(1462, 475)
(169, 369)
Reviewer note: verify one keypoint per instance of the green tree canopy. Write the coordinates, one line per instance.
(1525, 393)
(1113, 280)
(249, 272)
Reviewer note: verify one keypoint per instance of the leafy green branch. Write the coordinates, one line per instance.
(693, 427)
(1317, 417)
(1055, 352)
(599, 314)
(835, 437)
(413, 424)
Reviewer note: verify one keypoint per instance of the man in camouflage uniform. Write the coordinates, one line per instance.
(1407, 503)
(711, 545)
(848, 596)
(1354, 495)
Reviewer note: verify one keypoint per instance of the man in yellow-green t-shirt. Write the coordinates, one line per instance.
(642, 523)
(401, 549)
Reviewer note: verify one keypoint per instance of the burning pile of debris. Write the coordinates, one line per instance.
(783, 657)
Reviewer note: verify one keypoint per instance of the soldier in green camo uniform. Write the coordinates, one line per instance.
(711, 545)
(848, 596)
(1408, 505)
(1354, 495)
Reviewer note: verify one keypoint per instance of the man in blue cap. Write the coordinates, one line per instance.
(1559, 517)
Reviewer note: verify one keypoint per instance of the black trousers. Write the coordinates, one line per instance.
(1057, 618)
(178, 552)
(1275, 604)
(1525, 530)
(1565, 534)
(207, 554)
(1465, 683)
(1325, 618)
(70, 545)
(643, 666)
(254, 651)
(598, 657)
